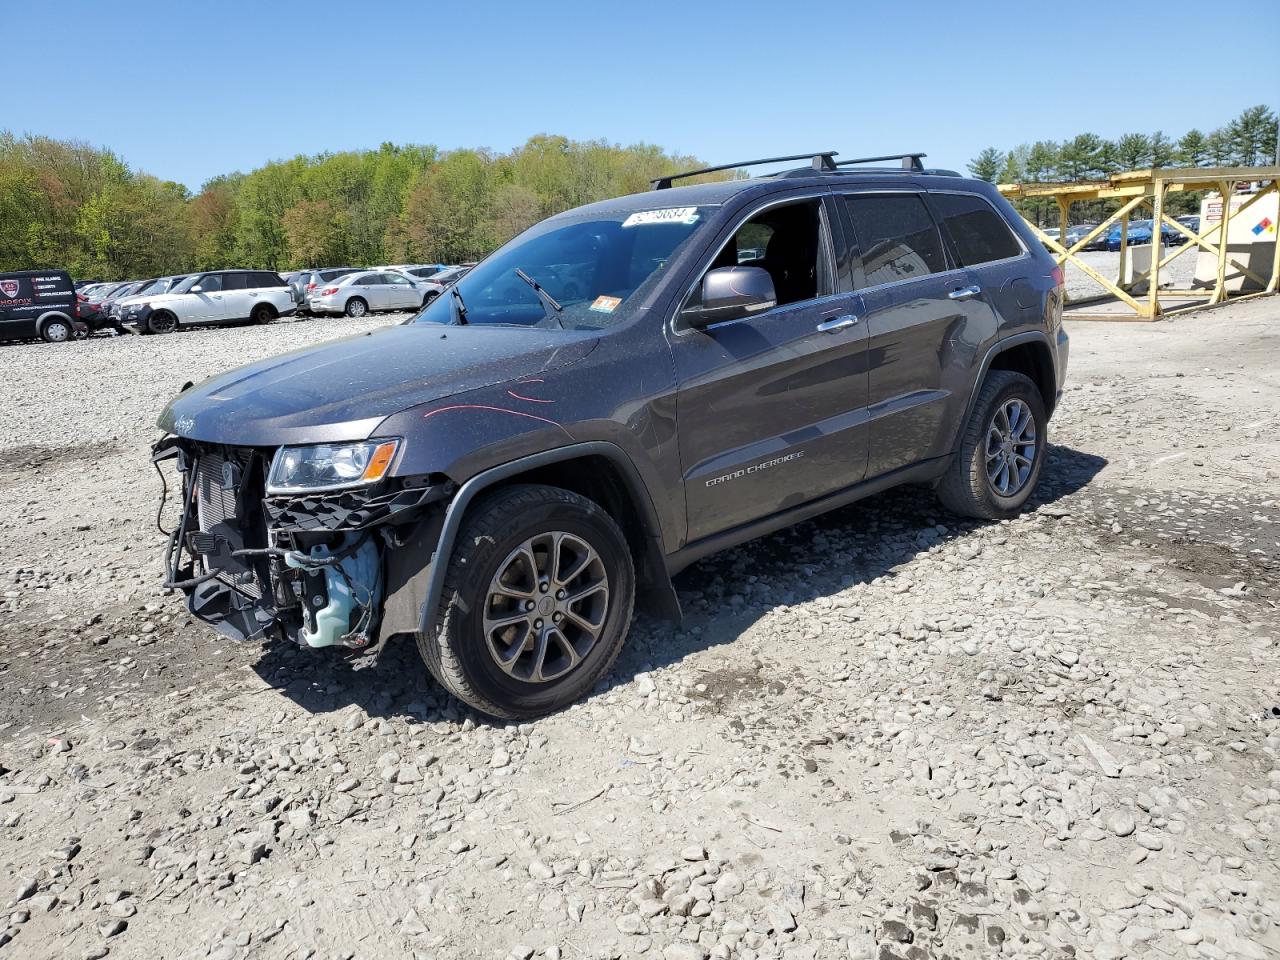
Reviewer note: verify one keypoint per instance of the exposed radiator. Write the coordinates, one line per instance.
(216, 480)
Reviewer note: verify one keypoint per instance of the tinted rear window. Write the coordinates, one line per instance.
(979, 233)
(236, 281)
(267, 280)
(895, 237)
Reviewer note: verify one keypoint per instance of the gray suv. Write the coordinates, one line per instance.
(619, 391)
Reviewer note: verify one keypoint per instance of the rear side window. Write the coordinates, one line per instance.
(979, 234)
(267, 280)
(896, 238)
(235, 281)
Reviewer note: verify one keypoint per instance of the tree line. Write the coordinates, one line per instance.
(71, 205)
(1248, 140)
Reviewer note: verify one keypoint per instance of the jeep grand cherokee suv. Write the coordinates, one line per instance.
(502, 476)
(214, 297)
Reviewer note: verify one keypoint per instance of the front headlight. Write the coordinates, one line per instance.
(330, 466)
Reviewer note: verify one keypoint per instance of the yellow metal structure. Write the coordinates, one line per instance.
(1150, 188)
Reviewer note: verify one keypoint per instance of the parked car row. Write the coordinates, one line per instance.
(1139, 232)
(49, 305)
(355, 291)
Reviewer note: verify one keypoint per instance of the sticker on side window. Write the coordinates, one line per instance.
(684, 215)
(603, 304)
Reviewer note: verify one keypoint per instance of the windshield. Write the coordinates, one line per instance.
(596, 267)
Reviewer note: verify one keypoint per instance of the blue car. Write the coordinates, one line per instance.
(1140, 232)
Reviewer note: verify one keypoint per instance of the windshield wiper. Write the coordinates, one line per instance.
(459, 307)
(549, 304)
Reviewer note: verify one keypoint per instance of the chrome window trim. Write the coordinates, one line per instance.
(826, 240)
(920, 191)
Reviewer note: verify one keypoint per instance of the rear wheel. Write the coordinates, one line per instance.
(262, 313)
(1001, 452)
(537, 603)
(56, 331)
(426, 301)
(162, 322)
(356, 307)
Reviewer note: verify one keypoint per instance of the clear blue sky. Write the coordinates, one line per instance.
(189, 90)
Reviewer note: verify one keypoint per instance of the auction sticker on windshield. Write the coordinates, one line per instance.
(668, 215)
(603, 304)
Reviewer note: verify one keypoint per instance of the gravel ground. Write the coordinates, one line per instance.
(881, 734)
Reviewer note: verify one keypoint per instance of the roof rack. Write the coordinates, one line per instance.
(821, 161)
(910, 161)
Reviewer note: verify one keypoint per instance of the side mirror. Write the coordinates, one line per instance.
(197, 289)
(729, 293)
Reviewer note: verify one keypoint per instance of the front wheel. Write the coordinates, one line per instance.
(162, 322)
(1001, 451)
(537, 602)
(356, 308)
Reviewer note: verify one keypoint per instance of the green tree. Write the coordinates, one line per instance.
(1253, 137)
(1193, 149)
(1132, 151)
(987, 164)
(1082, 157)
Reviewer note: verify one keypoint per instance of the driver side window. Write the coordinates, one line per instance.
(788, 242)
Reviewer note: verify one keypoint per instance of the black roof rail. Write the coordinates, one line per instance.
(910, 161)
(821, 161)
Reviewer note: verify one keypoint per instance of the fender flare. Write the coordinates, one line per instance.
(997, 348)
(455, 513)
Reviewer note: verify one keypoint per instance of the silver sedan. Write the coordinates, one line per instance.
(359, 293)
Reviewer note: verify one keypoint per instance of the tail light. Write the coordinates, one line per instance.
(328, 291)
(1059, 278)
(76, 311)
(311, 286)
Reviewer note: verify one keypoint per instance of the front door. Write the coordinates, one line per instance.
(209, 304)
(772, 407)
(401, 294)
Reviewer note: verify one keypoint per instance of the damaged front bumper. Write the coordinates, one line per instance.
(344, 568)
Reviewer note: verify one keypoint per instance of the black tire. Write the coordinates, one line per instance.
(356, 307)
(458, 655)
(57, 331)
(262, 313)
(426, 301)
(162, 321)
(966, 488)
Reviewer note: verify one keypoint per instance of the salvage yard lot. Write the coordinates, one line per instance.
(882, 733)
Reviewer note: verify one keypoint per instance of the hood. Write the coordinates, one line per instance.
(343, 389)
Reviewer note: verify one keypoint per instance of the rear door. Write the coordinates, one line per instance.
(372, 288)
(772, 409)
(981, 242)
(238, 296)
(925, 320)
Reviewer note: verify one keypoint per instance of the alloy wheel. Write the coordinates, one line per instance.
(546, 607)
(1011, 447)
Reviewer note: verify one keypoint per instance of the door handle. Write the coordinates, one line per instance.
(964, 293)
(837, 323)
